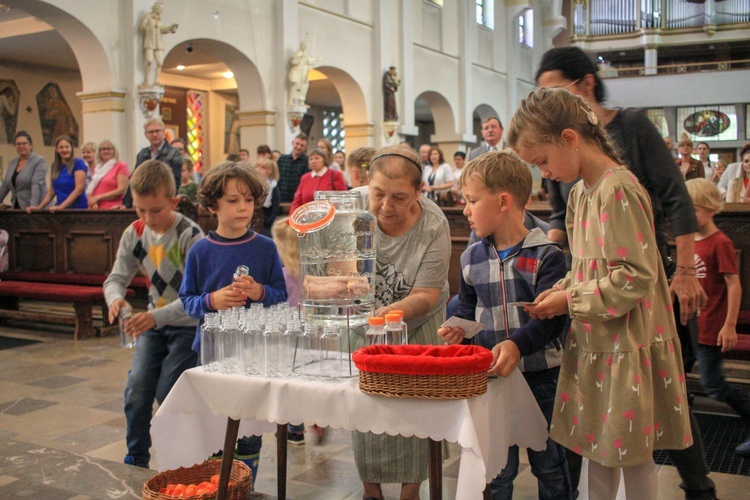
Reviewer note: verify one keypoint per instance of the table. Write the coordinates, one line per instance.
(191, 421)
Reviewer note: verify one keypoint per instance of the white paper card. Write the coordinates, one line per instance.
(469, 327)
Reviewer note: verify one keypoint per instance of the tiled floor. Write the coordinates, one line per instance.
(62, 434)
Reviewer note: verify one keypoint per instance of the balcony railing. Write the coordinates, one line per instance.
(671, 69)
(611, 17)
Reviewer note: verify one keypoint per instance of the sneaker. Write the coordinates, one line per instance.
(320, 433)
(130, 460)
(743, 449)
(296, 438)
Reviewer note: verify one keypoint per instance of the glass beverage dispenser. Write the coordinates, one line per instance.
(337, 262)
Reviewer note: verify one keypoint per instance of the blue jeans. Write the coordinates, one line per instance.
(160, 357)
(711, 364)
(549, 466)
(249, 445)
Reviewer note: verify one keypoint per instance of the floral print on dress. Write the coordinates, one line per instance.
(622, 355)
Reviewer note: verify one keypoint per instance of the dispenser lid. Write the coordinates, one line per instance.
(312, 216)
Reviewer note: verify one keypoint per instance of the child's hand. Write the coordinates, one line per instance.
(114, 309)
(247, 286)
(505, 358)
(548, 305)
(451, 334)
(544, 295)
(226, 298)
(140, 322)
(727, 338)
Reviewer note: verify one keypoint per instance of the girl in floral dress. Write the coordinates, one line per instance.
(621, 393)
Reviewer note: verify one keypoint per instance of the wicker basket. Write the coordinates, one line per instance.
(241, 478)
(422, 371)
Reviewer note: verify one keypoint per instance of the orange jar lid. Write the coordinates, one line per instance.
(312, 216)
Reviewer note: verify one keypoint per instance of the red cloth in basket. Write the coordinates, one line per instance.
(416, 359)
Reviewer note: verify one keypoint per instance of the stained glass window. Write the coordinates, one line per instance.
(196, 113)
(333, 129)
(708, 123)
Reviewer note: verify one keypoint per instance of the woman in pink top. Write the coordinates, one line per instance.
(110, 180)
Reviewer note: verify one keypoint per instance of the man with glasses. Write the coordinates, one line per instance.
(160, 150)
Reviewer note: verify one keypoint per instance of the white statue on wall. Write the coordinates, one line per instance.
(298, 75)
(153, 43)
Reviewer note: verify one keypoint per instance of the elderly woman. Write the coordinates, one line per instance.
(26, 175)
(413, 256)
(67, 179)
(320, 178)
(109, 182)
(88, 153)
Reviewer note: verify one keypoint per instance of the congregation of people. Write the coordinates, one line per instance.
(590, 290)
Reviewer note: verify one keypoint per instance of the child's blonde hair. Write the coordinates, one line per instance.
(287, 242)
(152, 178)
(500, 171)
(704, 193)
(268, 162)
(360, 159)
(212, 186)
(546, 112)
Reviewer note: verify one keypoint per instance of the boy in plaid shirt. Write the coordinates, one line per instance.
(509, 264)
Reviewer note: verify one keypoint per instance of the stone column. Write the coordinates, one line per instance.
(467, 35)
(104, 117)
(359, 135)
(406, 97)
(256, 128)
(650, 60)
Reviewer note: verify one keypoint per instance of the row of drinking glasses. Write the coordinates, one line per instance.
(270, 342)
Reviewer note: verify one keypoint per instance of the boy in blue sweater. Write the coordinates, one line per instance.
(230, 192)
(510, 264)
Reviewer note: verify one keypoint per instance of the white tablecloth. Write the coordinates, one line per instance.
(191, 422)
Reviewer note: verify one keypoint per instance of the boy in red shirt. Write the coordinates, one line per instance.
(717, 271)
